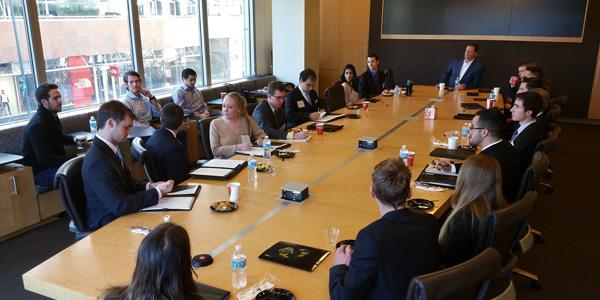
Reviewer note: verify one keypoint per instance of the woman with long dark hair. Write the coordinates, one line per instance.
(349, 81)
(163, 269)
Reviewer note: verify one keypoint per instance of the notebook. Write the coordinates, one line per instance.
(327, 128)
(453, 154)
(173, 203)
(295, 256)
(259, 151)
(185, 190)
(219, 169)
(330, 117)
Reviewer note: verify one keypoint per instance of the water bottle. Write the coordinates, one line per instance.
(456, 83)
(238, 268)
(93, 126)
(404, 154)
(252, 176)
(267, 153)
(464, 136)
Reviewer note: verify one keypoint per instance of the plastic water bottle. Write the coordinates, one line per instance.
(267, 152)
(93, 126)
(464, 136)
(239, 278)
(404, 153)
(252, 176)
(456, 83)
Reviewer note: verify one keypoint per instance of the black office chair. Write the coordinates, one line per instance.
(139, 153)
(289, 86)
(335, 97)
(560, 100)
(534, 174)
(250, 108)
(511, 226)
(468, 280)
(204, 132)
(69, 182)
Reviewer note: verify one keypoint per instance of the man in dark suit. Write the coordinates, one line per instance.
(486, 132)
(270, 114)
(371, 82)
(44, 140)
(302, 104)
(109, 188)
(468, 70)
(389, 252)
(527, 132)
(168, 152)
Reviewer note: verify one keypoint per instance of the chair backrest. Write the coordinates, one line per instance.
(336, 98)
(534, 173)
(250, 108)
(487, 228)
(552, 114)
(69, 181)
(560, 100)
(549, 143)
(390, 84)
(204, 132)
(511, 222)
(141, 154)
(468, 280)
(289, 86)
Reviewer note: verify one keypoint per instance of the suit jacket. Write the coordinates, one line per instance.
(526, 142)
(462, 238)
(387, 254)
(472, 77)
(169, 155)
(272, 123)
(512, 170)
(297, 109)
(369, 87)
(109, 189)
(43, 142)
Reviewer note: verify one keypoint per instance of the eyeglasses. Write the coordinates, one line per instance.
(474, 128)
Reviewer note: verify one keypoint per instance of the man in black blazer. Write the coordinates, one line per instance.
(389, 252)
(468, 70)
(527, 132)
(486, 133)
(109, 188)
(371, 82)
(44, 140)
(168, 152)
(270, 114)
(302, 104)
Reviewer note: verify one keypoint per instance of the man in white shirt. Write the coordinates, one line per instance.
(4, 102)
(110, 190)
(467, 70)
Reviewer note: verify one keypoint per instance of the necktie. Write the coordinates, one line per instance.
(514, 135)
(120, 157)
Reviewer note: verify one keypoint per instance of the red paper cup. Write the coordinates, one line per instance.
(411, 159)
(223, 94)
(320, 128)
(365, 105)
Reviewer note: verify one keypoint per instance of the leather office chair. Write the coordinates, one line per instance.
(560, 100)
(468, 280)
(69, 181)
(534, 174)
(335, 98)
(511, 226)
(142, 155)
(203, 131)
(250, 108)
(289, 86)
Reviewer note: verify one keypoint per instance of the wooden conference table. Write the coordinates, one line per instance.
(337, 172)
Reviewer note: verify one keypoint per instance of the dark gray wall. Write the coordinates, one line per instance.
(569, 66)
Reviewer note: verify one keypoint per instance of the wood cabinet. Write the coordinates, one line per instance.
(18, 202)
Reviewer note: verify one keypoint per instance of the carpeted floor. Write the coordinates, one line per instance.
(566, 262)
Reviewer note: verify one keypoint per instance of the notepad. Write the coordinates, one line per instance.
(173, 203)
(212, 172)
(330, 117)
(259, 151)
(223, 163)
(185, 190)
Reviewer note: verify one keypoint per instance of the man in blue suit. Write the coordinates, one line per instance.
(110, 190)
(270, 114)
(168, 152)
(468, 70)
(389, 252)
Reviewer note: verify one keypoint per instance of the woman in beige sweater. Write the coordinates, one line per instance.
(227, 132)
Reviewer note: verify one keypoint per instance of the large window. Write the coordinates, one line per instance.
(228, 26)
(16, 81)
(170, 44)
(86, 48)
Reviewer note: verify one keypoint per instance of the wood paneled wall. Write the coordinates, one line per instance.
(344, 36)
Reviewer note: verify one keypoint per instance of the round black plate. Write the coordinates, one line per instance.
(345, 242)
(223, 206)
(420, 204)
(275, 294)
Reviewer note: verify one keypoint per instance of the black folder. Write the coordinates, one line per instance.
(464, 116)
(447, 181)
(327, 128)
(471, 105)
(295, 256)
(453, 154)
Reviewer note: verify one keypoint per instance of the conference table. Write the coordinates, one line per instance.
(338, 174)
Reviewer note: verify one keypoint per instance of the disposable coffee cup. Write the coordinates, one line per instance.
(496, 91)
(80, 141)
(365, 105)
(452, 142)
(441, 86)
(320, 128)
(411, 159)
(234, 191)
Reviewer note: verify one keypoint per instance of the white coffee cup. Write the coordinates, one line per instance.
(452, 142)
(234, 191)
(496, 92)
(441, 86)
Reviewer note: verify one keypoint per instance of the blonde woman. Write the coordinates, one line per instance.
(478, 192)
(234, 130)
